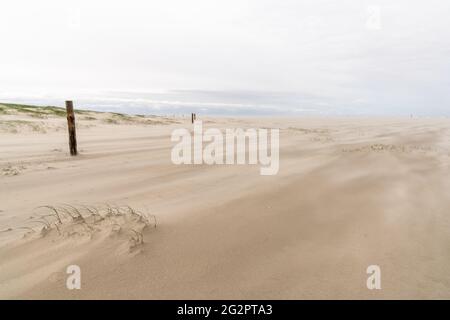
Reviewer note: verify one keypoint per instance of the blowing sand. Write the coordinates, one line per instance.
(350, 192)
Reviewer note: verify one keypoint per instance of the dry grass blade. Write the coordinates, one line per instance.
(75, 210)
(56, 213)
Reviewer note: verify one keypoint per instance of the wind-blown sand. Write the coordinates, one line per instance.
(350, 192)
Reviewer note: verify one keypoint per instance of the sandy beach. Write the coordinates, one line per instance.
(350, 192)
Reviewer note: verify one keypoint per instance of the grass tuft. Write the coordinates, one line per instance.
(70, 220)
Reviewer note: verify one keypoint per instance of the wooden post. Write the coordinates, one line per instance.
(192, 117)
(71, 126)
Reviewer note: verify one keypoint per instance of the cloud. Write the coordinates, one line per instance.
(346, 56)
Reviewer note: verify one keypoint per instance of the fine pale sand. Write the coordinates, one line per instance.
(350, 192)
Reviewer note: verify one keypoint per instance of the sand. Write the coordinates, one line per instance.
(350, 192)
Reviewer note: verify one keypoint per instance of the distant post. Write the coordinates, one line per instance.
(192, 117)
(71, 126)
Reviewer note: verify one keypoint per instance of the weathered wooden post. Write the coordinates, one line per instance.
(192, 117)
(72, 130)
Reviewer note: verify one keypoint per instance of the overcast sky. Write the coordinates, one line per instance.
(325, 56)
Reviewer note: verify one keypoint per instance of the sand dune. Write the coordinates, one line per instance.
(349, 193)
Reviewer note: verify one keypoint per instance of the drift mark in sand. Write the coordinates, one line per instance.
(58, 236)
(88, 222)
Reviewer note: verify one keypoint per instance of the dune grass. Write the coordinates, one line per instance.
(44, 112)
(13, 126)
(37, 111)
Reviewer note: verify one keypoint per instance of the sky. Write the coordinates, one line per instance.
(346, 57)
